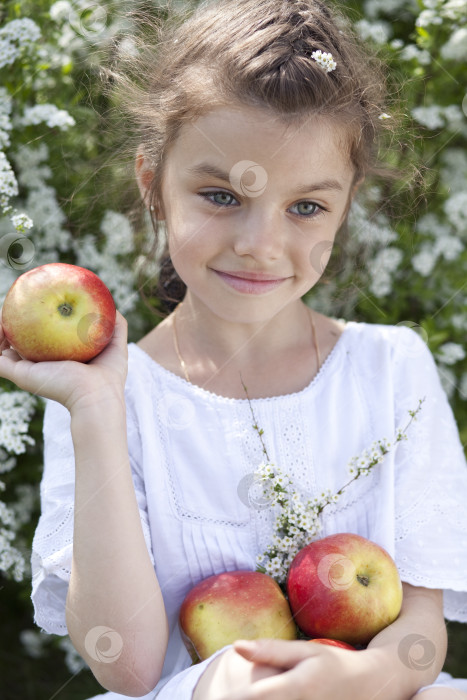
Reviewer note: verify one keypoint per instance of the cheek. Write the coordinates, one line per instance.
(318, 256)
(190, 246)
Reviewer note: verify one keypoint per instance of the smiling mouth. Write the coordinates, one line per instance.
(250, 282)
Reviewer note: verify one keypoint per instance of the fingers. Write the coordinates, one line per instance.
(121, 329)
(278, 687)
(9, 369)
(276, 652)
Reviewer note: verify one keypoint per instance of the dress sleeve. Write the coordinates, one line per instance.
(52, 545)
(430, 480)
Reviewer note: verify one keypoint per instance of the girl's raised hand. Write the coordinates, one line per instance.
(73, 384)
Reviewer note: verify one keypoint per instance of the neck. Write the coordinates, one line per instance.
(210, 345)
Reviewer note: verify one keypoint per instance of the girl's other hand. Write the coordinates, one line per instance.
(73, 384)
(300, 670)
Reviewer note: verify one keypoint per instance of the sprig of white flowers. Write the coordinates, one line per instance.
(298, 519)
(325, 60)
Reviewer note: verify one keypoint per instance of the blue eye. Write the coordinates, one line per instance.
(313, 210)
(226, 200)
(220, 193)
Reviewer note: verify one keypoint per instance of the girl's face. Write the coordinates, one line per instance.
(252, 208)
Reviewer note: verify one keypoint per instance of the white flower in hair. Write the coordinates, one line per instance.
(325, 60)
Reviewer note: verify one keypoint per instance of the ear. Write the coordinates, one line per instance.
(144, 176)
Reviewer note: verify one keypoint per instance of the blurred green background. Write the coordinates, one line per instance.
(406, 261)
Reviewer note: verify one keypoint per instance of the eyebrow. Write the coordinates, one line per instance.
(202, 169)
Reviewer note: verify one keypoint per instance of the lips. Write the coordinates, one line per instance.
(250, 282)
(254, 276)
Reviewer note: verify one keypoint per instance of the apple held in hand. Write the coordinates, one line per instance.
(344, 587)
(58, 312)
(334, 643)
(230, 606)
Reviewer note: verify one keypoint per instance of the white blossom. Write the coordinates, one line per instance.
(424, 261)
(455, 10)
(118, 232)
(8, 183)
(456, 46)
(454, 169)
(29, 163)
(21, 221)
(429, 224)
(450, 353)
(48, 114)
(118, 240)
(11, 558)
(5, 121)
(455, 208)
(15, 36)
(375, 231)
(325, 60)
(411, 51)
(16, 410)
(459, 321)
(432, 117)
(60, 10)
(450, 247)
(381, 269)
(297, 518)
(463, 387)
(6, 462)
(374, 8)
(379, 32)
(427, 18)
(33, 642)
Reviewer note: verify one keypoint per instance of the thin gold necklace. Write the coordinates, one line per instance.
(182, 361)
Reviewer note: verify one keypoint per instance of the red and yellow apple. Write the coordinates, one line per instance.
(344, 587)
(230, 606)
(334, 643)
(58, 312)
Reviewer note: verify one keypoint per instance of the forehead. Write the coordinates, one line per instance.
(233, 134)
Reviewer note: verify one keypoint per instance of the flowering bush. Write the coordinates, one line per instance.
(63, 198)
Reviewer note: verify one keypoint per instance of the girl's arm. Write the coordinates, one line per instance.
(113, 583)
(115, 612)
(405, 656)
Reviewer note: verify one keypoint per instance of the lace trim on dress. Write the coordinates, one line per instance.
(316, 379)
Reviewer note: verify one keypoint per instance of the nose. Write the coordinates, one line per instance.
(260, 235)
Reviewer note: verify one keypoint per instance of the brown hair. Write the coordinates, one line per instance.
(252, 52)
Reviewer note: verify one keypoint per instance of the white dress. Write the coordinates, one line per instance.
(193, 454)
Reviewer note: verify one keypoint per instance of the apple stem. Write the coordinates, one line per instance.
(364, 580)
(65, 309)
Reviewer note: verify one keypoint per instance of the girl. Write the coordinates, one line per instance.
(257, 128)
